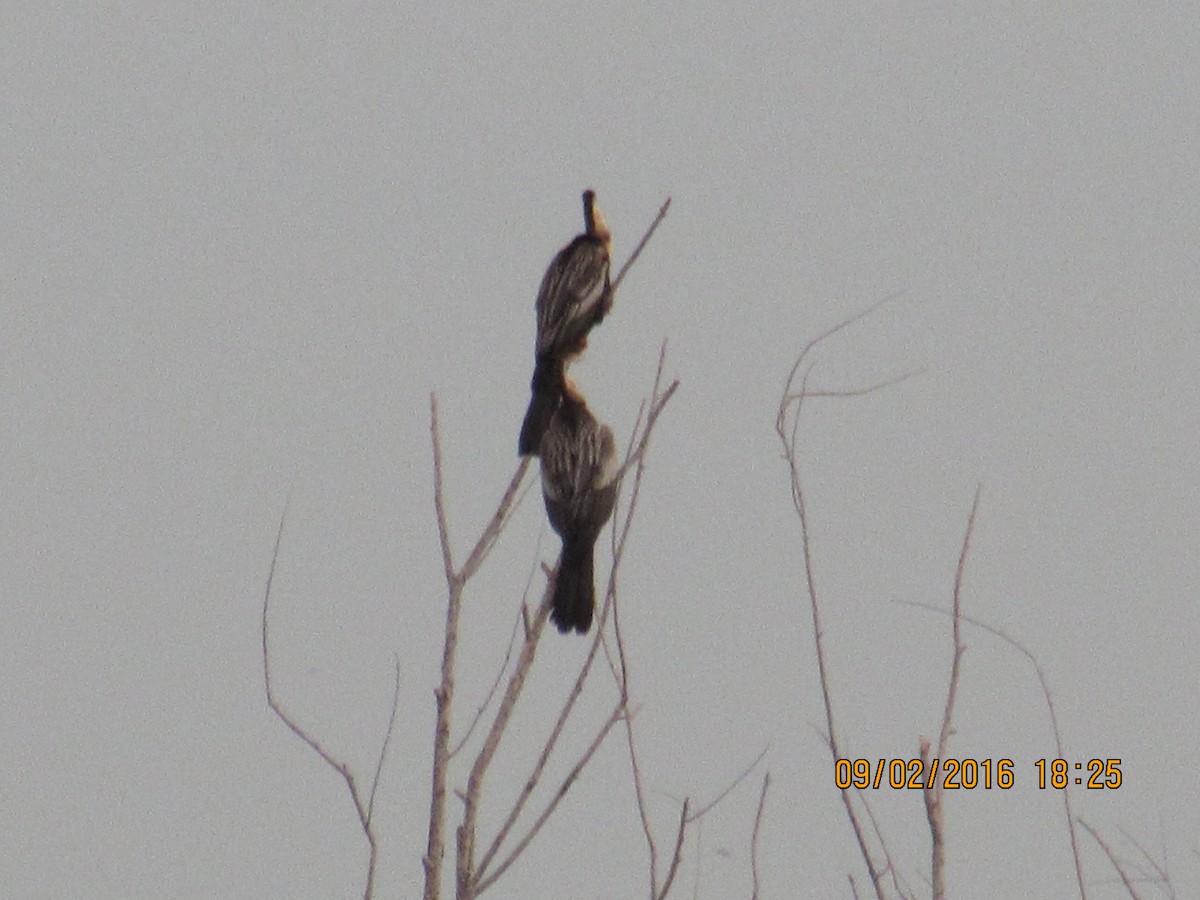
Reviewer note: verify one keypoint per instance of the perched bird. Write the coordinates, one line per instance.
(579, 469)
(575, 296)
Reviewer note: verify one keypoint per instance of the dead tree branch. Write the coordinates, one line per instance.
(637, 251)
(1058, 742)
(444, 694)
(934, 811)
(1112, 858)
(363, 809)
(758, 816)
(787, 426)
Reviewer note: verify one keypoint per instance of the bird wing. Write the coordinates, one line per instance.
(572, 294)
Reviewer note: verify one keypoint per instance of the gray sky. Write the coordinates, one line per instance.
(242, 244)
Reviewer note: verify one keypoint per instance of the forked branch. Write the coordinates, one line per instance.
(363, 808)
(787, 427)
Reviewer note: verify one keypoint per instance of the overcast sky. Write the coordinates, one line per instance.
(242, 243)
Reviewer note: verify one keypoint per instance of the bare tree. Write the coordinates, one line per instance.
(479, 860)
(881, 868)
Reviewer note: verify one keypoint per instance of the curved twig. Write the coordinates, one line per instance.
(787, 427)
(362, 809)
(1058, 743)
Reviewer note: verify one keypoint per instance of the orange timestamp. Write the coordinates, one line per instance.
(917, 774)
(969, 774)
(1057, 773)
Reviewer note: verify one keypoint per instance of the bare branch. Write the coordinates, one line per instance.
(485, 883)
(1058, 743)
(1112, 858)
(712, 804)
(821, 338)
(635, 455)
(932, 792)
(387, 739)
(496, 525)
(758, 815)
(787, 424)
(637, 251)
(677, 854)
(1160, 869)
(891, 869)
(468, 876)
(844, 393)
(364, 816)
(439, 503)
(444, 694)
(491, 692)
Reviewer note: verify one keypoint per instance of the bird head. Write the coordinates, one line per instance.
(594, 219)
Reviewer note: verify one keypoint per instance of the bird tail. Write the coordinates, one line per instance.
(546, 387)
(574, 589)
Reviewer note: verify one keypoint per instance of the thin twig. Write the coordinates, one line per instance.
(1058, 742)
(891, 868)
(1161, 870)
(563, 788)
(729, 788)
(467, 874)
(636, 452)
(1112, 858)
(677, 853)
(496, 524)
(821, 338)
(637, 251)
(363, 811)
(487, 699)
(758, 815)
(791, 405)
(387, 739)
(934, 811)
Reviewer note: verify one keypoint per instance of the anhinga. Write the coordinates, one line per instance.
(579, 469)
(575, 296)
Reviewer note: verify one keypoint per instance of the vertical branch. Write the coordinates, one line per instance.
(787, 425)
(656, 406)
(758, 815)
(934, 811)
(444, 694)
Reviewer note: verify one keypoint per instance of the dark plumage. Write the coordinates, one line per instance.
(579, 468)
(574, 297)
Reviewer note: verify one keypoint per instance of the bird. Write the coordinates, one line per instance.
(579, 486)
(575, 295)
